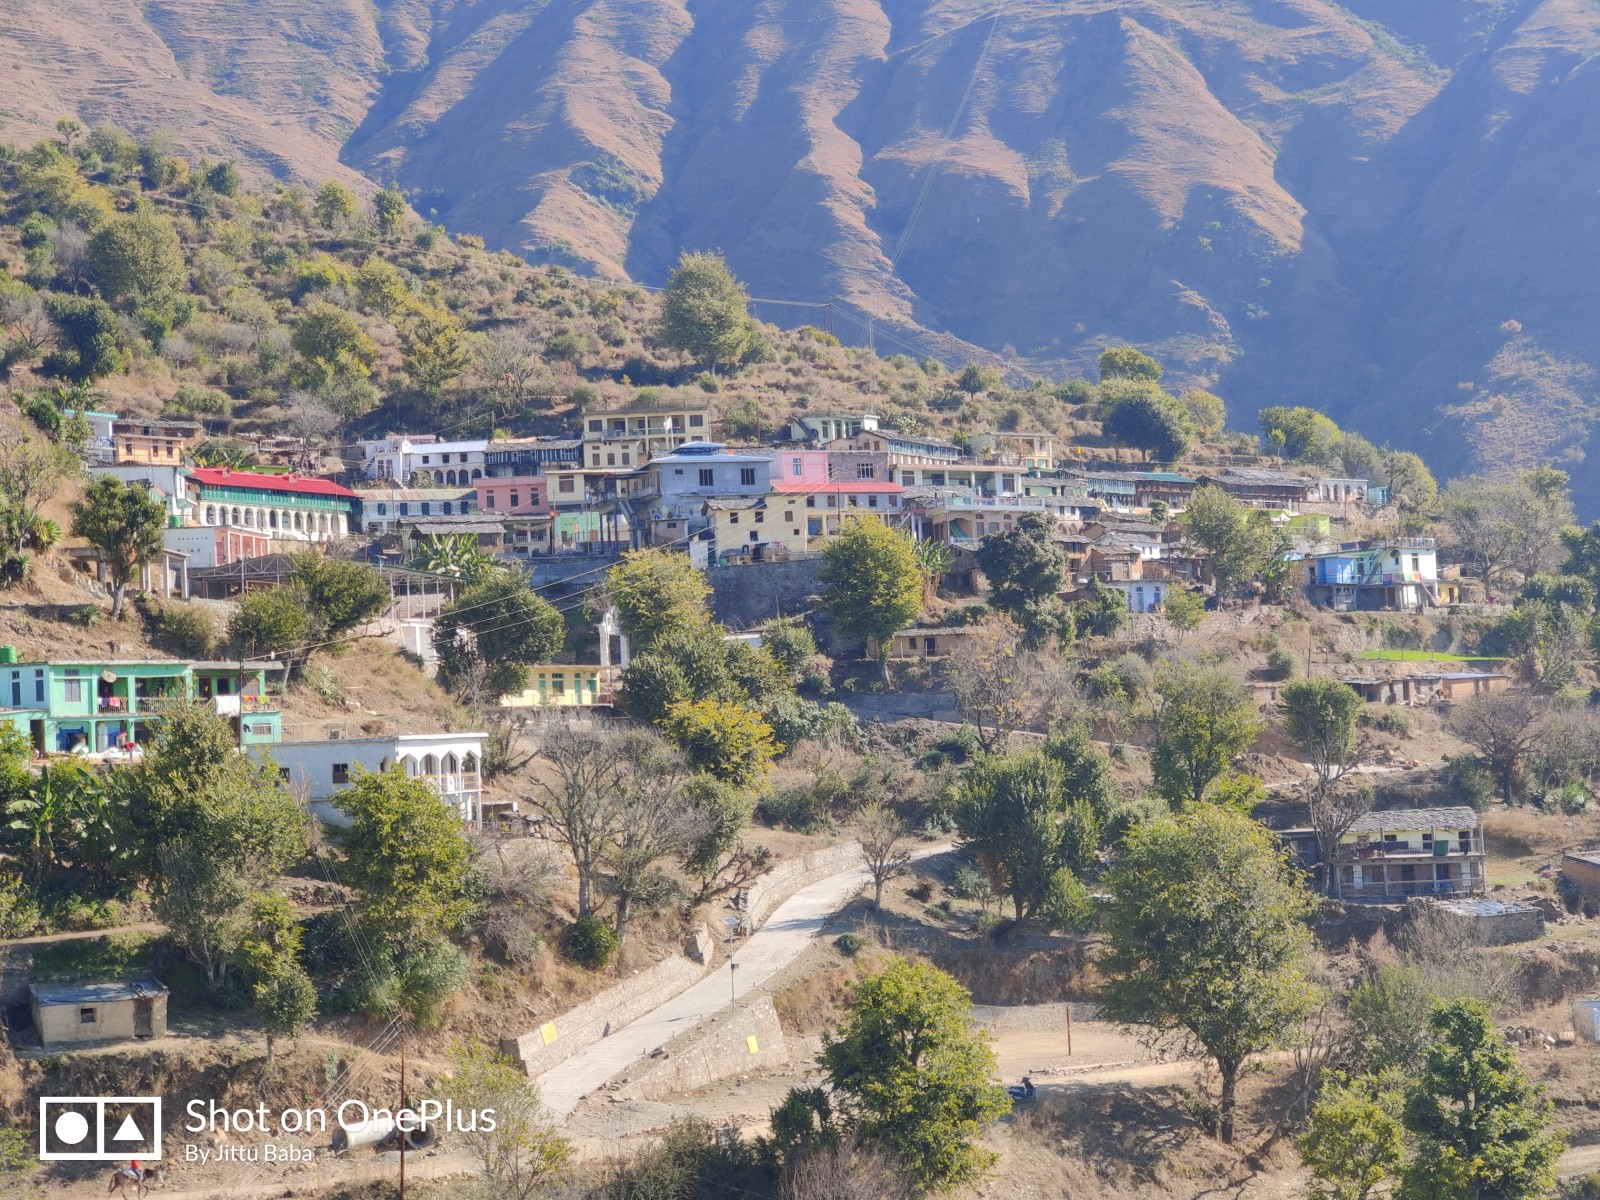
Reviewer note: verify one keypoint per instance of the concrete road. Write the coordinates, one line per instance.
(774, 946)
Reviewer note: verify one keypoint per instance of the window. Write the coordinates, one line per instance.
(761, 515)
(424, 458)
(341, 772)
(565, 485)
(73, 686)
(796, 468)
(833, 502)
(38, 685)
(866, 471)
(88, 1016)
(813, 526)
(488, 498)
(596, 426)
(405, 509)
(611, 460)
(733, 518)
(627, 459)
(383, 510)
(447, 508)
(747, 477)
(707, 477)
(811, 501)
(16, 689)
(426, 508)
(516, 499)
(696, 422)
(872, 502)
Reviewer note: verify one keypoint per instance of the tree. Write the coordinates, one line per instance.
(332, 346)
(389, 206)
(1411, 485)
(575, 797)
(704, 311)
(1304, 434)
(1514, 525)
(726, 740)
(1125, 362)
(286, 999)
(990, 677)
(340, 594)
(1102, 612)
(1503, 728)
(519, 1156)
(1319, 715)
(435, 349)
(654, 820)
(913, 1074)
(870, 584)
(1025, 568)
(271, 621)
(655, 590)
(789, 642)
(1549, 630)
(881, 833)
(493, 632)
(1143, 416)
(1389, 1019)
(1482, 1127)
(203, 906)
(1203, 720)
(124, 524)
(335, 204)
(1223, 529)
(1184, 611)
(1207, 412)
(1354, 1142)
(1206, 939)
(1016, 817)
(454, 555)
(407, 856)
(976, 378)
(136, 256)
(31, 469)
(88, 338)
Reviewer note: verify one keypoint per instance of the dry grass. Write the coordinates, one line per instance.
(1528, 833)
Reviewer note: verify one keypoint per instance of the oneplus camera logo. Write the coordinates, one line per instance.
(99, 1128)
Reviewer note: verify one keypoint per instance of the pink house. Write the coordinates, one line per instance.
(517, 495)
(794, 468)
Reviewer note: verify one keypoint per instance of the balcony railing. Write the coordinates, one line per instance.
(1387, 850)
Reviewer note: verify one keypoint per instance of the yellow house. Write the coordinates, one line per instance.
(1031, 448)
(795, 518)
(566, 685)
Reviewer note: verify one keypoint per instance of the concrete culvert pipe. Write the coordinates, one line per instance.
(380, 1131)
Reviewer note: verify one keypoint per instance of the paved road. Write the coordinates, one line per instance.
(774, 946)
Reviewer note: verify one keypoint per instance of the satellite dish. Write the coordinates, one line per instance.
(107, 675)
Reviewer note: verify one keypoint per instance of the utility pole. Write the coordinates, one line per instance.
(399, 1119)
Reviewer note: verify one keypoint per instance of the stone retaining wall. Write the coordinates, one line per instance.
(717, 1048)
(789, 876)
(587, 1023)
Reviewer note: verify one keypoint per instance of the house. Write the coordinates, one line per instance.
(1582, 870)
(1116, 492)
(1384, 573)
(824, 429)
(518, 495)
(697, 470)
(925, 643)
(385, 509)
(1336, 490)
(1143, 595)
(567, 685)
(966, 520)
(1398, 853)
(1169, 487)
(100, 448)
(169, 482)
(284, 507)
(793, 519)
(152, 443)
(1031, 448)
(903, 449)
(1424, 688)
(66, 1014)
(489, 533)
(631, 437)
(449, 762)
(402, 457)
(1262, 489)
(102, 706)
(215, 546)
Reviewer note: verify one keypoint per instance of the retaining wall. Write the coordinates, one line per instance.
(16, 971)
(585, 1024)
(789, 876)
(898, 706)
(755, 594)
(717, 1048)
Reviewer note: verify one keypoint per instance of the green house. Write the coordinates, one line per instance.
(101, 706)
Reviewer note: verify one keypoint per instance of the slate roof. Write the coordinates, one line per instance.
(1403, 820)
(102, 992)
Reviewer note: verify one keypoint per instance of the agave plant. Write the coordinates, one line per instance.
(454, 555)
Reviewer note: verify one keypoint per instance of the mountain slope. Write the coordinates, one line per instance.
(1386, 210)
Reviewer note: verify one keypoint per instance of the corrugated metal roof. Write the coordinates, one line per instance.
(99, 992)
(224, 477)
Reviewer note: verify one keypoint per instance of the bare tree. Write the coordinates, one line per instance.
(882, 834)
(310, 422)
(69, 250)
(654, 821)
(575, 798)
(841, 1170)
(30, 471)
(509, 361)
(990, 675)
(1502, 728)
(23, 315)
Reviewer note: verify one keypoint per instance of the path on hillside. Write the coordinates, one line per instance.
(778, 942)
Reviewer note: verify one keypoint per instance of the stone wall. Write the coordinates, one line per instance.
(752, 595)
(899, 706)
(587, 1023)
(16, 970)
(717, 1048)
(574, 572)
(789, 876)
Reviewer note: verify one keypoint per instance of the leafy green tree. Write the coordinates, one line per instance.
(1411, 485)
(1308, 435)
(1102, 612)
(332, 346)
(1016, 817)
(339, 593)
(493, 632)
(407, 857)
(269, 959)
(704, 311)
(1143, 416)
(911, 1071)
(933, 560)
(1025, 568)
(789, 642)
(1217, 524)
(224, 178)
(727, 741)
(655, 591)
(271, 621)
(1514, 524)
(1319, 717)
(286, 1001)
(1207, 412)
(389, 205)
(976, 378)
(1354, 1142)
(455, 555)
(1203, 720)
(88, 338)
(1125, 362)
(335, 205)
(136, 256)
(523, 1153)
(1390, 1016)
(1206, 938)
(870, 585)
(203, 906)
(435, 349)
(1184, 611)
(124, 524)
(1482, 1127)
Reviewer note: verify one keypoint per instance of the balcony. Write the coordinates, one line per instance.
(1384, 851)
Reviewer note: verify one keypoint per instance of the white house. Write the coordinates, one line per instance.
(400, 457)
(451, 762)
(168, 482)
(1142, 595)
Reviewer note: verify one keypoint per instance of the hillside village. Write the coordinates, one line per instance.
(402, 693)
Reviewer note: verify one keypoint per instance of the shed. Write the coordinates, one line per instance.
(115, 1010)
(1582, 870)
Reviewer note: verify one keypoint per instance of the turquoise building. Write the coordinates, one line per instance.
(99, 706)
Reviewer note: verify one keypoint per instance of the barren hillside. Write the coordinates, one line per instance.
(1383, 210)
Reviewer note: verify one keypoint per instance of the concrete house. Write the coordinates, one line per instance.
(1399, 853)
(1428, 688)
(1385, 573)
(284, 507)
(631, 437)
(385, 509)
(449, 762)
(401, 456)
(152, 443)
(66, 1014)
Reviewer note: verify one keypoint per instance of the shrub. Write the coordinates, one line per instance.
(591, 942)
(969, 883)
(802, 809)
(850, 944)
(1393, 721)
(188, 631)
(1280, 663)
(86, 616)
